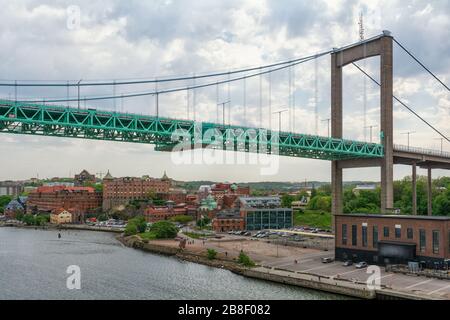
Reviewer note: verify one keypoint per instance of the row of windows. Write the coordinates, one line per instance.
(386, 231)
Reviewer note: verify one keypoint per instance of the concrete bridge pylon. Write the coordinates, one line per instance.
(381, 46)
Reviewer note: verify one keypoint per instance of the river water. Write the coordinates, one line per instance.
(33, 265)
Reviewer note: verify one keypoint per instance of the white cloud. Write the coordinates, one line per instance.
(135, 39)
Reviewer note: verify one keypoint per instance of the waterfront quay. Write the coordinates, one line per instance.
(304, 267)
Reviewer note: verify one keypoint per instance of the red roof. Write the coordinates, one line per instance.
(47, 189)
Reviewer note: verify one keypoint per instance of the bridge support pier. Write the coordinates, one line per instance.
(429, 193)
(336, 192)
(380, 46)
(414, 189)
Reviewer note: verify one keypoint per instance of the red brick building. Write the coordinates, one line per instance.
(120, 191)
(83, 178)
(175, 195)
(392, 239)
(228, 221)
(159, 213)
(79, 199)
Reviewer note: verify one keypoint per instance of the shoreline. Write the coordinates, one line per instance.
(308, 281)
(276, 275)
(63, 227)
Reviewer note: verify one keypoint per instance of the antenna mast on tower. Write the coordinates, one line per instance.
(361, 26)
(361, 38)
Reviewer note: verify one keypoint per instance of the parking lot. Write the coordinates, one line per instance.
(275, 253)
(311, 263)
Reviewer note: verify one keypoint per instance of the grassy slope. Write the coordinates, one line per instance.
(313, 218)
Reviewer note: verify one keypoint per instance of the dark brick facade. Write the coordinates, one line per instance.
(387, 239)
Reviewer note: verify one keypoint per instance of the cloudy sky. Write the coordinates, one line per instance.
(114, 40)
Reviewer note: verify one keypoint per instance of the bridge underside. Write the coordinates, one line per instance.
(165, 133)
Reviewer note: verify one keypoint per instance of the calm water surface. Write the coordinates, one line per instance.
(33, 265)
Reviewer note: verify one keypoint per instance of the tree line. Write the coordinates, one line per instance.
(368, 201)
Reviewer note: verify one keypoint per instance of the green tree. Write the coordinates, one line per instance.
(286, 200)
(245, 260)
(4, 200)
(182, 219)
(211, 254)
(164, 230)
(319, 202)
(29, 219)
(203, 222)
(136, 225)
(441, 204)
(131, 229)
(19, 216)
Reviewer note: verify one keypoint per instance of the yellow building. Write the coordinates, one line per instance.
(60, 216)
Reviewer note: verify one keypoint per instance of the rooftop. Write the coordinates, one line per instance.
(395, 216)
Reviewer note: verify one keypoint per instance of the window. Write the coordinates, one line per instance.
(364, 236)
(422, 240)
(386, 232)
(398, 232)
(410, 233)
(435, 241)
(354, 235)
(375, 237)
(344, 234)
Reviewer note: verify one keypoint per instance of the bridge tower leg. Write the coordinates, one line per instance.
(414, 188)
(386, 124)
(379, 46)
(336, 132)
(429, 193)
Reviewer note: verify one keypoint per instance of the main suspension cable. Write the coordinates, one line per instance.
(160, 80)
(422, 65)
(193, 87)
(403, 104)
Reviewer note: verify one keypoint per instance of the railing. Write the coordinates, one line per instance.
(430, 152)
(430, 273)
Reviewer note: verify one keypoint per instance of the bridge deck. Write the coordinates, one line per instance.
(166, 133)
(424, 158)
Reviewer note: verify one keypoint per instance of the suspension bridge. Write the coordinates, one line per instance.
(58, 117)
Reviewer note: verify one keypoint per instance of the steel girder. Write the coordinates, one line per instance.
(166, 133)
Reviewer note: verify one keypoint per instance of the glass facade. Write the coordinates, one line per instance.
(268, 219)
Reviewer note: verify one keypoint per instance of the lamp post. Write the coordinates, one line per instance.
(279, 118)
(408, 133)
(78, 85)
(328, 121)
(442, 140)
(370, 127)
(223, 109)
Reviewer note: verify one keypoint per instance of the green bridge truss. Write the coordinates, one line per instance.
(68, 122)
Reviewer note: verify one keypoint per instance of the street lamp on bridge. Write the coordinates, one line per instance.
(373, 126)
(78, 85)
(408, 133)
(328, 121)
(223, 109)
(442, 141)
(279, 117)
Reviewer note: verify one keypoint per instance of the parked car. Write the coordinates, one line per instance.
(327, 260)
(361, 265)
(347, 263)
